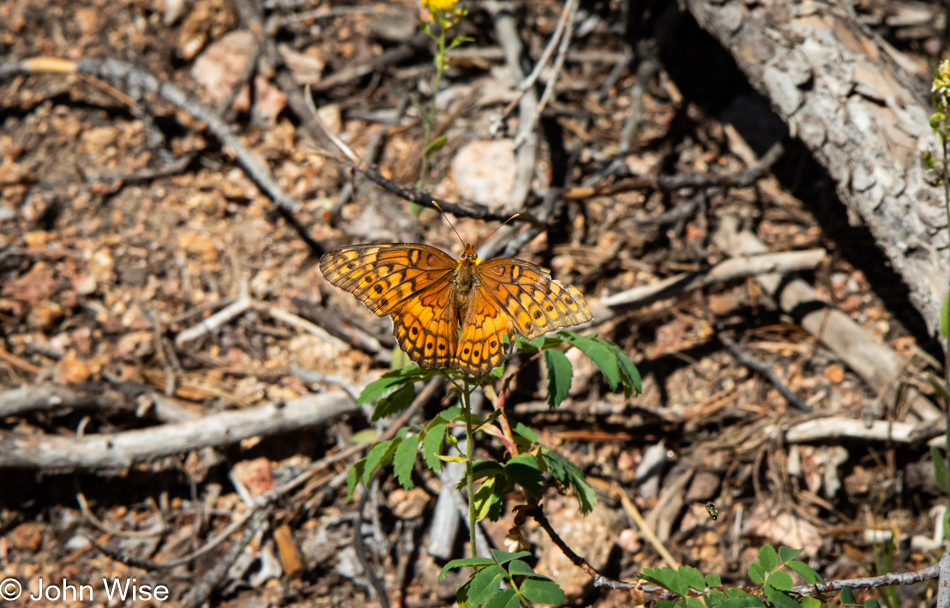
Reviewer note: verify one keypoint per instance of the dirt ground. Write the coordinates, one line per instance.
(125, 222)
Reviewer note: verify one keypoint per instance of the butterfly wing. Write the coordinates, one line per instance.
(387, 275)
(480, 347)
(410, 282)
(535, 303)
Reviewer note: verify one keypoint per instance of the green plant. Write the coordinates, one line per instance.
(771, 571)
(445, 14)
(528, 466)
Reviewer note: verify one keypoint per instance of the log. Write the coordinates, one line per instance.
(844, 93)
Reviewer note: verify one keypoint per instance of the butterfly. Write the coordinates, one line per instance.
(431, 297)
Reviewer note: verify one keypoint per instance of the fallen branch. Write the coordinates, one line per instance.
(123, 396)
(127, 448)
(728, 270)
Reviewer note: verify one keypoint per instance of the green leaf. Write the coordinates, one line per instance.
(365, 436)
(665, 604)
(436, 145)
(525, 471)
(806, 572)
(353, 477)
(692, 602)
(484, 498)
(525, 432)
(543, 591)
(379, 455)
(629, 374)
(498, 372)
(767, 558)
(569, 474)
(756, 572)
(404, 459)
(668, 579)
(940, 469)
(520, 568)
(867, 604)
(786, 554)
(394, 403)
(505, 598)
(780, 580)
(693, 577)
(503, 557)
(780, 599)
(847, 597)
(463, 563)
(713, 580)
(432, 446)
(599, 354)
(485, 584)
(810, 602)
(560, 375)
(389, 380)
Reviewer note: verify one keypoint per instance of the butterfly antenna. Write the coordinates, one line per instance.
(449, 221)
(496, 229)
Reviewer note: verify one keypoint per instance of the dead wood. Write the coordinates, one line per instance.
(844, 93)
(125, 449)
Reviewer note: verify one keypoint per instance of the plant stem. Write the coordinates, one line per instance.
(428, 118)
(469, 469)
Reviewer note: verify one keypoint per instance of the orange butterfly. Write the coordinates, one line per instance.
(430, 295)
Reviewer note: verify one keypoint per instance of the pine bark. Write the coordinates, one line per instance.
(845, 93)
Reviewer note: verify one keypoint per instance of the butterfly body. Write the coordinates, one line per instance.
(454, 313)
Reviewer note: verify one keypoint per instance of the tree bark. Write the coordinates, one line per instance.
(844, 93)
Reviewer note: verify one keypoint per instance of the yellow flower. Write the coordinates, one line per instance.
(942, 78)
(440, 5)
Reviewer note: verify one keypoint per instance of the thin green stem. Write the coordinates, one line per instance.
(469, 469)
(428, 118)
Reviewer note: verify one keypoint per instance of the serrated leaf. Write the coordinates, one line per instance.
(780, 580)
(767, 558)
(847, 597)
(463, 563)
(449, 414)
(394, 403)
(668, 579)
(524, 470)
(519, 568)
(693, 577)
(525, 432)
(503, 557)
(432, 446)
(543, 591)
(505, 598)
(692, 602)
(605, 360)
(786, 554)
(806, 572)
(629, 374)
(485, 584)
(388, 381)
(756, 572)
(376, 457)
(353, 477)
(484, 497)
(571, 475)
(404, 459)
(810, 602)
(940, 469)
(713, 580)
(560, 376)
(780, 599)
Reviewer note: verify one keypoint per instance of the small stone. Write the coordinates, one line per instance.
(484, 172)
